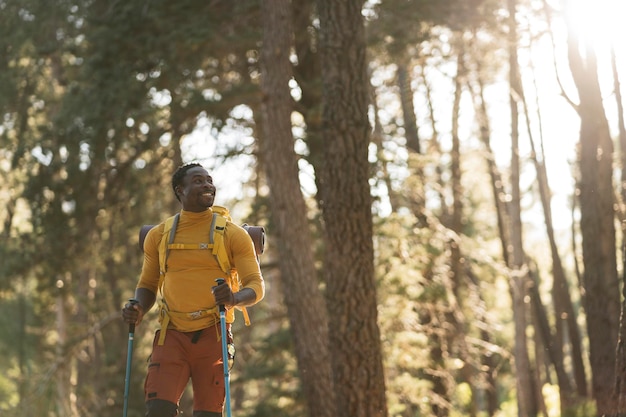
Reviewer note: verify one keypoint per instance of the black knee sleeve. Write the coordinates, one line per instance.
(161, 408)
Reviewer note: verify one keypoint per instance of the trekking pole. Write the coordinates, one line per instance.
(129, 358)
(221, 281)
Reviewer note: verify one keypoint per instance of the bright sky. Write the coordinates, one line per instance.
(204, 147)
(598, 24)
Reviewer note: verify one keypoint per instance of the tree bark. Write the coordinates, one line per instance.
(346, 207)
(305, 303)
(597, 215)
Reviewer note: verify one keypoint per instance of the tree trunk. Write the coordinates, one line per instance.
(63, 384)
(620, 368)
(408, 109)
(527, 405)
(555, 356)
(382, 161)
(597, 215)
(305, 304)
(620, 361)
(621, 125)
(346, 207)
(566, 323)
(498, 192)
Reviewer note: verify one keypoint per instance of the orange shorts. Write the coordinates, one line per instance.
(183, 356)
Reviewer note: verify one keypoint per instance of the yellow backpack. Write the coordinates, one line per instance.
(221, 215)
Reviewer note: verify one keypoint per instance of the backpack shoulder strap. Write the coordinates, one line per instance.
(169, 232)
(167, 237)
(216, 238)
(221, 210)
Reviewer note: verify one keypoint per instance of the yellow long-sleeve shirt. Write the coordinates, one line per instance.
(192, 272)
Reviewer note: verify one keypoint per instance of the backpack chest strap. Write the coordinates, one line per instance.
(194, 246)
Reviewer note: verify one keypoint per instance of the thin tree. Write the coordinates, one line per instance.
(566, 323)
(497, 189)
(526, 392)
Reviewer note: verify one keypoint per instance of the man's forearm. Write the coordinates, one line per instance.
(146, 298)
(245, 297)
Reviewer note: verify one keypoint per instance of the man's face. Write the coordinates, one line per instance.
(197, 192)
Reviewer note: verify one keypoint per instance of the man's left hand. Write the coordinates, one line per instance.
(224, 296)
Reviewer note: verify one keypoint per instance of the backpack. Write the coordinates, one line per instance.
(216, 244)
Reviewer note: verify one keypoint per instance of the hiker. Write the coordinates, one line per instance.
(180, 267)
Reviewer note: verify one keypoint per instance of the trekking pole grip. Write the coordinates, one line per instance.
(221, 281)
(131, 326)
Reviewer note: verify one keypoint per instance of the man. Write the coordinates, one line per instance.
(188, 345)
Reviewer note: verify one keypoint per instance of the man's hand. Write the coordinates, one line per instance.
(224, 295)
(132, 313)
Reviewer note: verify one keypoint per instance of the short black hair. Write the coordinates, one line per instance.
(179, 175)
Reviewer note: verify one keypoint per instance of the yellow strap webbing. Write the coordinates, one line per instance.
(165, 321)
(216, 244)
(195, 315)
(169, 231)
(166, 239)
(189, 246)
(216, 237)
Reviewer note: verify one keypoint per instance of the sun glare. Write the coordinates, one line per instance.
(598, 23)
(599, 26)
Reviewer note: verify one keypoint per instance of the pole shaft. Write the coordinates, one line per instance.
(129, 357)
(225, 359)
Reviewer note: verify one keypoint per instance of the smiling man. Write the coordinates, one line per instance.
(180, 267)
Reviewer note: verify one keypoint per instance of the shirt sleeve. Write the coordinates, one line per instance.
(244, 258)
(150, 271)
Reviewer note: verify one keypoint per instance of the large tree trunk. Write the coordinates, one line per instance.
(596, 195)
(346, 204)
(305, 304)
